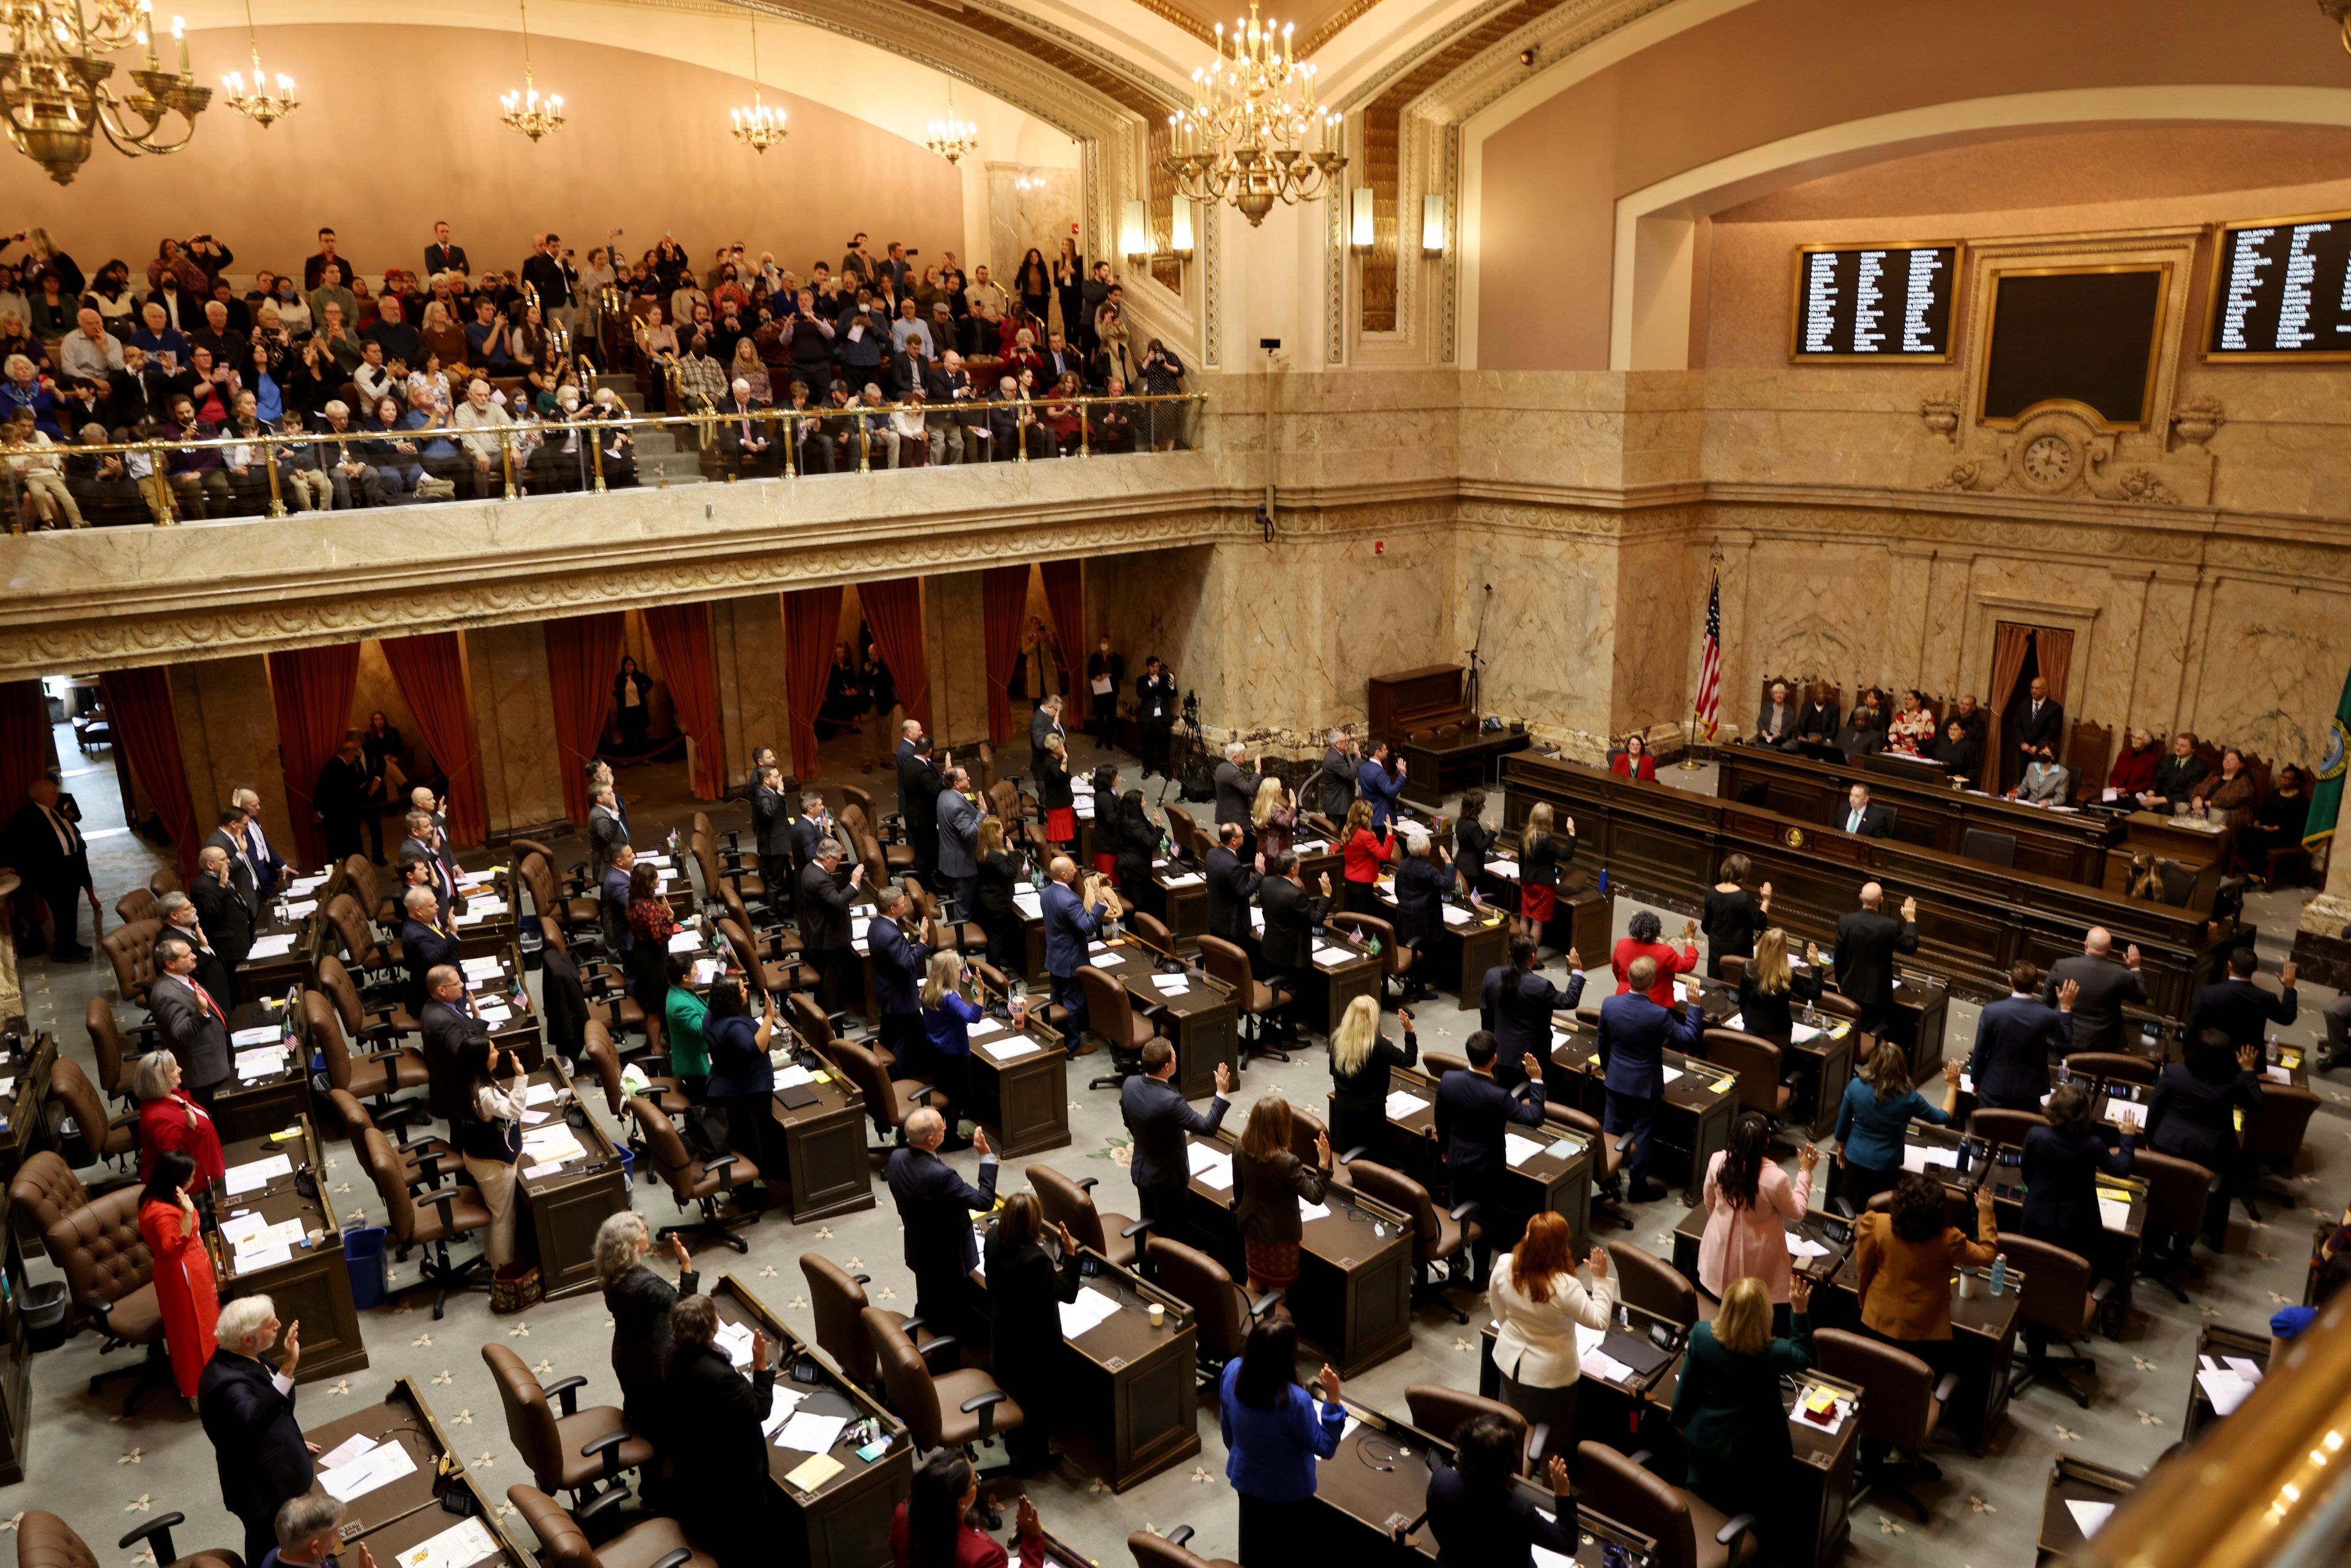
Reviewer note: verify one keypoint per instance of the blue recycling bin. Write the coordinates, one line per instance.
(363, 1256)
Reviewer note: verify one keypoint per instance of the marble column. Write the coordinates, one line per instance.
(746, 638)
(2320, 947)
(228, 739)
(514, 716)
(955, 649)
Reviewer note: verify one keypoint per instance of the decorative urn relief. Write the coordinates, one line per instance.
(2060, 453)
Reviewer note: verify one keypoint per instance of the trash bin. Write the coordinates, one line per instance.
(44, 1311)
(628, 1168)
(363, 1256)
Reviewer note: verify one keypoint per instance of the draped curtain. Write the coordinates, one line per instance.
(312, 690)
(2049, 651)
(894, 610)
(583, 653)
(811, 622)
(431, 673)
(1065, 596)
(680, 634)
(138, 706)
(24, 740)
(1004, 589)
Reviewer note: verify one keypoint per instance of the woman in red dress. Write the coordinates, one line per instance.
(1634, 761)
(183, 1269)
(169, 1120)
(1365, 853)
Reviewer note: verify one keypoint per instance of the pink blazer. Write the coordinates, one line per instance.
(1743, 1241)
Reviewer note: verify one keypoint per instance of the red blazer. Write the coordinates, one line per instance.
(973, 1550)
(1622, 766)
(2134, 771)
(1669, 964)
(1366, 854)
(179, 1122)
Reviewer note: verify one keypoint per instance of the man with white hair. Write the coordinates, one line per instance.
(935, 1210)
(344, 469)
(1237, 788)
(246, 1405)
(742, 438)
(268, 870)
(90, 353)
(479, 422)
(426, 944)
(1339, 764)
(309, 1530)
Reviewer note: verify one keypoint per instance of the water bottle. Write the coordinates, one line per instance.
(1603, 879)
(1812, 1016)
(1999, 1280)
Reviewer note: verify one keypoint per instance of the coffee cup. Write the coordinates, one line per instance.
(1158, 1315)
(1970, 1282)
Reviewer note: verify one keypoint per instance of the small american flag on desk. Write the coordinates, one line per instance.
(1709, 674)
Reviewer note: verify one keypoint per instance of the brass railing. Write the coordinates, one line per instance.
(161, 496)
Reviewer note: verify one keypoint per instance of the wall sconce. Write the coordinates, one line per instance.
(1359, 219)
(1135, 232)
(1432, 224)
(1179, 231)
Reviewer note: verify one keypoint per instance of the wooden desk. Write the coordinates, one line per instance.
(1926, 1148)
(845, 1523)
(1329, 984)
(568, 1198)
(1694, 1116)
(1202, 1021)
(1474, 939)
(1818, 1500)
(1354, 1296)
(1438, 765)
(2191, 839)
(407, 1511)
(1370, 1497)
(1983, 1344)
(489, 920)
(311, 1285)
(493, 983)
(1549, 1170)
(1976, 921)
(1818, 1061)
(1185, 895)
(2073, 1480)
(826, 1171)
(1818, 1226)
(273, 974)
(1590, 914)
(24, 1108)
(2219, 1343)
(261, 1032)
(1020, 1084)
(1609, 1407)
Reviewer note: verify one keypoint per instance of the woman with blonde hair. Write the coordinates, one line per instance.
(947, 1017)
(746, 367)
(1541, 855)
(1365, 853)
(1274, 815)
(1538, 1304)
(1767, 990)
(1360, 1059)
(1269, 1181)
(1728, 1407)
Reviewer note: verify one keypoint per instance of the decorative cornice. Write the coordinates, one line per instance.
(1337, 23)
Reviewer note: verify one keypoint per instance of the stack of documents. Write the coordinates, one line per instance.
(1213, 1166)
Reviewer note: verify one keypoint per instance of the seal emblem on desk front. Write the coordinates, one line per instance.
(1792, 836)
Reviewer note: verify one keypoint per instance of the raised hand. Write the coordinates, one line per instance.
(2285, 975)
(1069, 1242)
(1951, 1073)
(1598, 1262)
(1224, 1078)
(2130, 957)
(677, 1250)
(1323, 1150)
(1533, 1067)
(1555, 1475)
(758, 1350)
(1574, 961)
(1330, 1381)
(979, 1142)
(1800, 1293)
(1909, 910)
(1810, 1156)
(293, 1355)
(1025, 1522)
(2066, 993)
(2249, 1057)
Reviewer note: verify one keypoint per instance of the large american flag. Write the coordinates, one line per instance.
(1709, 675)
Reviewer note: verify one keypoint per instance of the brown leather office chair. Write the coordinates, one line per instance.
(778, 940)
(1437, 1063)
(1756, 1062)
(889, 1100)
(965, 935)
(2005, 1127)
(1902, 1403)
(1690, 1532)
(44, 1541)
(45, 1190)
(379, 1018)
(164, 880)
(808, 1022)
(2058, 1299)
(137, 905)
(1222, 1308)
(2273, 1135)
(110, 1276)
(422, 1157)
(1169, 1551)
(1648, 1282)
(2176, 1191)
(2112, 1067)
(131, 950)
(1440, 1236)
(701, 1182)
(657, 1541)
(836, 1297)
(955, 1409)
(770, 977)
(1836, 1004)
(1609, 1154)
(582, 1452)
(375, 1076)
(1442, 1410)
(430, 1218)
(1112, 1015)
(1071, 1201)
(1396, 958)
(362, 951)
(1734, 969)
(114, 1053)
(1228, 965)
(1152, 932)
(374, 894)
(100, 1139)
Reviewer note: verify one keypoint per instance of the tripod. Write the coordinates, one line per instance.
(1185, 750)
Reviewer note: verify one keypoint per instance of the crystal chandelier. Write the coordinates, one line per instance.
(261, 106)
(952, 137)
(757, 127)
(1246, 138)
(53, 82)
(527, 112)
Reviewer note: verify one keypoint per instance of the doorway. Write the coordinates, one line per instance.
(2021, 653)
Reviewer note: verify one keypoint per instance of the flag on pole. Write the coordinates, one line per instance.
(1709, 675)
(2328, 799)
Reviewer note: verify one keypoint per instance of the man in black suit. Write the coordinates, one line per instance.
(1155, 707)
(1474, 1112)
(179, 913)
(1293, 916)
(1236, 782)
(606, 831)
(2103, 985)
(1775, 718)
(934, 1209)
(823, 907)
(416, 872)
(1862, 818)
(2038, 722)
(225, 919)
(345, 799)
(1105, 673)
(898, 965)
(425, 945)
(813, 827)
(1816, 722)
(2015, 1039)
(49, 853)
(447, 1024)
(189, 1018)
(1867, 940)
(1157, 1113)
(743, 436)
(443, 257)
(919, 784)
(2239, 1009)
(1516, 1004)
(1232, 883)
(772, 829)
(247, 1406)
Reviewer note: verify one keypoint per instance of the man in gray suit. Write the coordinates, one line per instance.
(959, 839)
(190, 1022)
(606, 831)
(1339, 768)
(2106, 984)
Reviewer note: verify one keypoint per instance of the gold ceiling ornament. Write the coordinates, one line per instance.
(1254, 134)
(2339, 13)
(261, 106)
(952, 138)
(757, 127)
(527, 112)
(53, 82)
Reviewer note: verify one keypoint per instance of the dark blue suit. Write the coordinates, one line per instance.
(614, 908)
(1069, 926)
(1380, 787)
(2241, 1009)
(2011, 1062)
(258, 1444)
(1473, 1111)
(423, 948)
(807, 833)
(1634, 1034)
(1516, 1005)
(1160, 1118)
(935, 1208)
(898, 988)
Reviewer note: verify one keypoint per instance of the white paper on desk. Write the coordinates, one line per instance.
(2089, 1516)
(1216, 1174)
(1187, 879)
(1588, 1340)
(1456, 916)
(541, 1173)
(309, 884)
(533, 1118)
(781, 1403)
(7, 1087)
(471, 917)
(807, 1433)
(252, 1065)
(254, 1175)
(654, 859)
(1090, 1311)
(734, 1339)
(685, 941)
(291, 1232)
(1544, 1557)
(1599, 1363)
(2114, 1213)
(477, 878)
(538, 1094)
(244, 1230)
(1307, 1211)
(495, 1014)
(266, 1034)
(482, 969)
(344, 1452)
(305, 906)
(1097, 947)
(986, 1028)
(1403, 1102)
(2277, 1075)
(459, 1546)
(379, 1466)
(1027, 901)
(1801, 1033)
(2225, 1389)
(1171, 985)
(1257, 920)
(1014, 1048)
(2249, 1370)
(1330, 957)
(1802, 1246)
(1918, 1157)
(1671, 1072)
(486, 907)
(1844, 1408)
(794, 1076)
(1518, 1151)
(275, 946)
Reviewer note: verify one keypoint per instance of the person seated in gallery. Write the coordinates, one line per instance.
(1912, 732)
(2176, 776)
(1959, 751)
(1863, 734)
(1816, 722)
(2133, 774)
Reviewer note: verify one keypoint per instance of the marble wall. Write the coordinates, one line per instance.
(1029, 207)
(514, 712)
(955, 649)
(228, 739)
(747, 640)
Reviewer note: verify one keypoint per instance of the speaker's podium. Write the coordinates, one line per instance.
(1425, 714)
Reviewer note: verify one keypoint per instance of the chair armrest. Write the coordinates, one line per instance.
(906, 1325)
(867, 1280)
(567, 1390)
(985, 1406)
(1842, 1207)
(1642, 1457)
(443, 1198)
(100, 1308)
(1538, 1441)
(1180, 1535)
(1135, 1229)
(720, 1166)
(1947, 1388)
(1089, 1184)
(677, 1558)
(1737, 1526)
(382, 1031)
(1262, 1305)
(609, 1446)
(921, 1093)
(2101, 1290)
(390, 1053)
(605, 1502)
(1462, 1211)
(931, 1349)
(160, 1529)
(1351, 1155)
(944, 1343)
(1624, 1143)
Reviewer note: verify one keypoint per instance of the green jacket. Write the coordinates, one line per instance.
(682, 1014)
(1728, 1407)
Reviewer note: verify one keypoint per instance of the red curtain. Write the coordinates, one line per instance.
(24, 740)
(1065, 596)
(2056, 651)
(2009, 645)
(312, 690)
(812, 625)
(894, 610)
(680, 634)
(1003, 590)
(138, 706)
(583, 653)
(431, 673)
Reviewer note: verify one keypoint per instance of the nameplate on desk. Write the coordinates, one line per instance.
(483, 967)
(268, 1034)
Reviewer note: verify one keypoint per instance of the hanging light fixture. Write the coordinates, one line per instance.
(951, 138)
(757, 127)
(261, 106)
(53, 89)
(527, 112)
(1255, 135)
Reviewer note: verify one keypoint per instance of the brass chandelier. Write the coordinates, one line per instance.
(53, 81)
(261, 106)
(952, 138)
(1254, 134)
(527, 112)
(757, 127)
